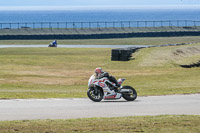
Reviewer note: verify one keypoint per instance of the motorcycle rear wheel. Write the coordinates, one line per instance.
(129, 96)
(95, 97)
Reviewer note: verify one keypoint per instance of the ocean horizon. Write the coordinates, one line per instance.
(99, 15)
(114, 15)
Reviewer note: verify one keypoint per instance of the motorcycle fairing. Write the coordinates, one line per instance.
(102, 83)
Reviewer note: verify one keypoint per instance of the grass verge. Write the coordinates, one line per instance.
(147, 124)
(63, 72)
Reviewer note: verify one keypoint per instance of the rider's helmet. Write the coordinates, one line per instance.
(98, 71)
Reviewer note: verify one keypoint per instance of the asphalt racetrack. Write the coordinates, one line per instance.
(29, 109)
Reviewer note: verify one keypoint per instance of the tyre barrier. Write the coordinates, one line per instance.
(99, 35)
(122, 54)
(125, 54)
(191, 65)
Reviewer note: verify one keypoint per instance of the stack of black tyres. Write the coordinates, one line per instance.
(122, 54)
(115, 54)
(191, 65)
(125, 54)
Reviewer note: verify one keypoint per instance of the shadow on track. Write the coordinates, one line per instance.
(119, 101)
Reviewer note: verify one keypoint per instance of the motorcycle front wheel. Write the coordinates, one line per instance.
(129, 96)
(95, 96)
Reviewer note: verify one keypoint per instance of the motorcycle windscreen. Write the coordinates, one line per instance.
(91, 80)
(120, 81)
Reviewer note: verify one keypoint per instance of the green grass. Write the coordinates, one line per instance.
(119, 41)
(64, 72)
(147, 124)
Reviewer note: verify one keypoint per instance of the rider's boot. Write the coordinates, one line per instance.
(116, 87)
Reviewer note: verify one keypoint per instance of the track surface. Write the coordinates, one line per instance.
(74, 46)
(29, 109)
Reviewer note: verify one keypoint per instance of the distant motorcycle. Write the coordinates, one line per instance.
(98, 90)
(52, 45)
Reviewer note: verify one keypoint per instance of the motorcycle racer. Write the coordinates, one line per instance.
(99, 73)
(54, 43)
(100, 87)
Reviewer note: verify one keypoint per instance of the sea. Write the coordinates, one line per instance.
(99, 15)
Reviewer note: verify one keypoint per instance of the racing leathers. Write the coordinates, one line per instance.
(110, 78)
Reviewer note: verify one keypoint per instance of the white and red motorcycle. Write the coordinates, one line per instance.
(98, 90)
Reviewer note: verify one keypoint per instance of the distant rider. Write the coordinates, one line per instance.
(54, 43)
(100, 74)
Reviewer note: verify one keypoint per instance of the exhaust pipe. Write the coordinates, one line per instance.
(125, 91)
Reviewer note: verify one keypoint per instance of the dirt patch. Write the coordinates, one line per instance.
(180, 55)
(186, 51)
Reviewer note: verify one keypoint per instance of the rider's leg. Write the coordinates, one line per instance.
(113, 79)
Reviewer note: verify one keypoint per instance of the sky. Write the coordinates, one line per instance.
(27, 4)
(95, 2)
